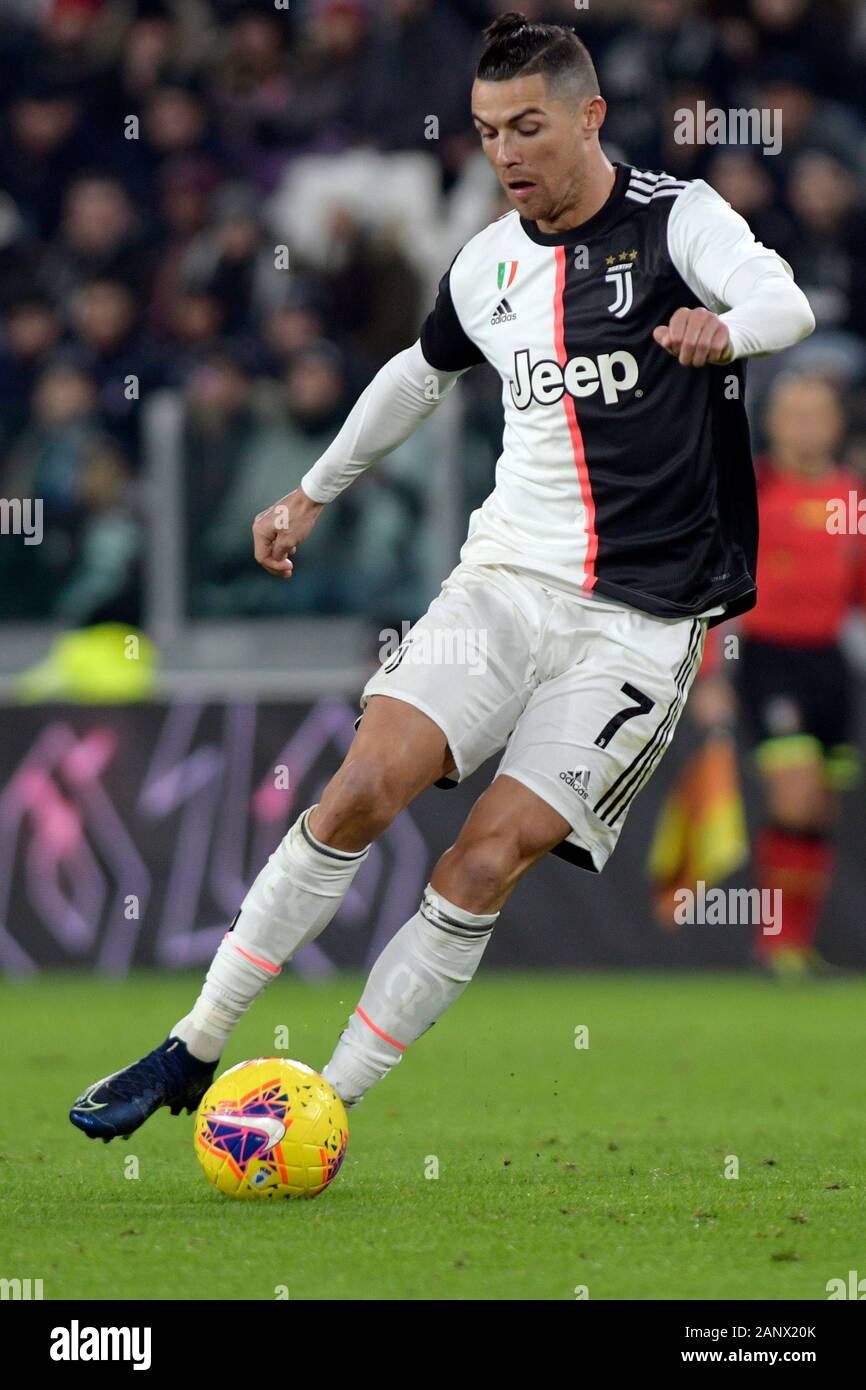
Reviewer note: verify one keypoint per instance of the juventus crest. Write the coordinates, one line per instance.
(619, 274)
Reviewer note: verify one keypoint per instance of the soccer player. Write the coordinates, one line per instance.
(793, 678)
(618, 306)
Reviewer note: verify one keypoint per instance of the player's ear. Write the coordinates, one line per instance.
(593, 112)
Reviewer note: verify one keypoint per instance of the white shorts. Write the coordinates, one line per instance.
(584, 696)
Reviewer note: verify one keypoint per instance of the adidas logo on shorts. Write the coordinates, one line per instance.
(578, 780)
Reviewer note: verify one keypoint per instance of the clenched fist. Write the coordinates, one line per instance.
(695, 337)
(279, 531)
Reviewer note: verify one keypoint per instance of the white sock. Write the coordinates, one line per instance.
(421, 971)
(291, 901)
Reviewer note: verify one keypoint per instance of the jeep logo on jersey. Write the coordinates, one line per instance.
(547, 382)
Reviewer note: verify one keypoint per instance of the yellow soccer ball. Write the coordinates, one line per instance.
(271, 1128)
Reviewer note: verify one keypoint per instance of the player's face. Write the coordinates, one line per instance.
(537, 145)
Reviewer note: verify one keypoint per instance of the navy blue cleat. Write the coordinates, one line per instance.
(114, 1107)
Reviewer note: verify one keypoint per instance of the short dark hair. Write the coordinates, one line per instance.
(518, 48)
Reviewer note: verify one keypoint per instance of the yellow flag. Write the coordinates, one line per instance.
(701, 830)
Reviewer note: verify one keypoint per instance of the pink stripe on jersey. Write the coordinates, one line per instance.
(573, 426)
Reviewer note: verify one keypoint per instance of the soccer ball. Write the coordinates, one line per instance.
(271, 1128)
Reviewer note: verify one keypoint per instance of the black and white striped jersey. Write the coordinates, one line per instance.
(622, 473)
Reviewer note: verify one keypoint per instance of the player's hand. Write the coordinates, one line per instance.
(695, 337)
(279, 531)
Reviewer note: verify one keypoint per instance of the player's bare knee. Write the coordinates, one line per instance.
(361, 800)
(478, 873)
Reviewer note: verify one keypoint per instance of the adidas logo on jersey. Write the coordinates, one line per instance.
(503, 313)
(578, 780)
(546, 382)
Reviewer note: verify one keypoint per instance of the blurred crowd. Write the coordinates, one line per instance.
(249, 205)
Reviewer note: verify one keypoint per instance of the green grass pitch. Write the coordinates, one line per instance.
(558, 1167)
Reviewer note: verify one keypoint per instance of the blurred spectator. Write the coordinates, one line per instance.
(372, 560)
(789, 85)
(235, 260)
(237, 461)
(242, 455)
(373, 287)
(161, 38)
(42, 146)
(743, 178)
(253, 93)
(85, 568)
(329, 75)
(117, 357)
(761, 30)
(673, 46)
(829, 257)
(100, 235)
(186, 188)
(177, 121)
(417, 64)
(31, 331)
(72, 41)
(46, 459)
(196, 330)
(102, 582)
(292, 325)
(24, 260)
